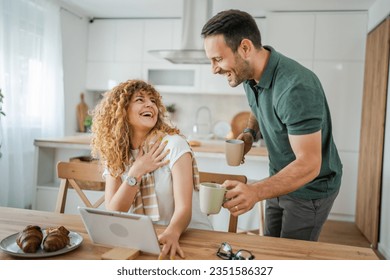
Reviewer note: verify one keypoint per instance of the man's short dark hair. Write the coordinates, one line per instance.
(234, 25)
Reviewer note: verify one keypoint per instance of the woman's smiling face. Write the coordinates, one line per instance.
(143, 111)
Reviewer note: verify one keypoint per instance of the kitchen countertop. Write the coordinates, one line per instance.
(83, 142)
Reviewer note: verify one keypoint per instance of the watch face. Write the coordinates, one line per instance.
(131, 181)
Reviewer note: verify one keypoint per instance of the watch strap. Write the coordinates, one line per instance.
(251, 131)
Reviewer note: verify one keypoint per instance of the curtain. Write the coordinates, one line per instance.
(31, 79)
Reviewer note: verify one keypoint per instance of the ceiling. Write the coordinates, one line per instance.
(174, 8)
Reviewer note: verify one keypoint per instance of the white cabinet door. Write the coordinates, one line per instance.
(341, 36)
(292, 34)
(343, 85)
(115, 53)
(129, 41)
(173, 78)
(339, 52)
(101, 40)
(262, 25)
(99, 76)
(345, 203)
(255, 167)
(47, 198)
(105, 75)
(160, 34)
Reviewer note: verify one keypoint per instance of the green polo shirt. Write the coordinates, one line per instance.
(289, 99)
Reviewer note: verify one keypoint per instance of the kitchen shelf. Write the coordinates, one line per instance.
(47, 153)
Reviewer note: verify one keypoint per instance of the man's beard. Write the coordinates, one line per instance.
(241, 73)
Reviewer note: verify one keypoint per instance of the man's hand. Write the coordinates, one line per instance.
(240, 197)
(248, 142)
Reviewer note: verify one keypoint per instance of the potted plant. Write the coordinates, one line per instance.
(88, 123)
(171, 110)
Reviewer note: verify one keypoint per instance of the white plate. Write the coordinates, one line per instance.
(221, 129)
(9, 246)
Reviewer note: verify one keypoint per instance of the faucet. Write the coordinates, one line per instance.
(200, 128)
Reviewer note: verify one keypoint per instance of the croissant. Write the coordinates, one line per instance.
(29, 240)
(56, 239)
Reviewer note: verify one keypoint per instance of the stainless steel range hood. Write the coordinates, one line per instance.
(195, 15)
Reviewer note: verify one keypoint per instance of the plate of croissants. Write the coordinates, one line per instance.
(35, 242)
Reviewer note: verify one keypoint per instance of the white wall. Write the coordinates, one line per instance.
(74, 45)
(377, 13)
(187, 105)
(384, 236)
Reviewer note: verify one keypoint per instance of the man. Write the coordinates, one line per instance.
(290, 110)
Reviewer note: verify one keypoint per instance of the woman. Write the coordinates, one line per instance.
(150, 168)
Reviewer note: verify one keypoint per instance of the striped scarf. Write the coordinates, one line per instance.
(145, 202)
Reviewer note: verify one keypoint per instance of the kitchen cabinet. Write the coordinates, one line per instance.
(161, 34)
(129, 41)
(114, 40)
(115, 51)
(105, 75)
(299, 28)
(292, 34)
(173, 78)
(118, 50)
(340, 36)
(255, 168)
(101, 40)
(165, 34)
(47, 153)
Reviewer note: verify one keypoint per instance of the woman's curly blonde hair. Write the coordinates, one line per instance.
(111, 129)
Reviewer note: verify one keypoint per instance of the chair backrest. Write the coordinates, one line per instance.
(220, 178)
(80, 176)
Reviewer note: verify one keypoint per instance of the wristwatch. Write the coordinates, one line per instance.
(251, 131)
(131, 181)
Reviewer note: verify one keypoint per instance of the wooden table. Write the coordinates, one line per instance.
(197, 244)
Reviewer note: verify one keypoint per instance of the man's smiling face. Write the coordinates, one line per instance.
(224, 61)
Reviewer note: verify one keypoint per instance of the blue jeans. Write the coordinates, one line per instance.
(296, 218)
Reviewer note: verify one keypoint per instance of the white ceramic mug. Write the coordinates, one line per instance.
(211, 197)
(234, 151)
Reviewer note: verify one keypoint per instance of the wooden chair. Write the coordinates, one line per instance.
(80, 176)
(220, 178)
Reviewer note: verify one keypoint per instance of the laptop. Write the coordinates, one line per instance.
(120, 229)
